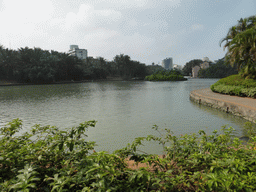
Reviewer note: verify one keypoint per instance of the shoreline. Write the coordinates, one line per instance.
(62, 82)
(244, 107)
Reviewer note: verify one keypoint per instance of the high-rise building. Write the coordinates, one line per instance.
(80, 53)
(167, 63)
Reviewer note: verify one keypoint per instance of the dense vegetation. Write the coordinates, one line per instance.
(217, 70)
(187, 69)
(49, 159)
(241, 45)
(166, 75)
(235, 85)
(42, 66)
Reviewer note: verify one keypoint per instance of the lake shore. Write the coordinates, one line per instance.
(240, 106)
(12, 83)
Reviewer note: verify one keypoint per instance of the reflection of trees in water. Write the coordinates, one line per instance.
(228, 116)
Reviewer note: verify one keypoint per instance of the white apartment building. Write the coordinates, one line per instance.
(80, 53)
(175, 66)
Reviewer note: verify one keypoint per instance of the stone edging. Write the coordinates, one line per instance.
(247, 112)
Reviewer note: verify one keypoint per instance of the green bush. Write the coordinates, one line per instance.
(172, 75)
(49, 159)
(238, 80)
(235, 85)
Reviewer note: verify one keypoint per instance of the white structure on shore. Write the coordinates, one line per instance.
(195, 71)
(179, 67)
(206, 59)
(167, 63)
(75, 51)
(203, 65)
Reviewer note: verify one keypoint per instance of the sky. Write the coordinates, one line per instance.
(146, 30)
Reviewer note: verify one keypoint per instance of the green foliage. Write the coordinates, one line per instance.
(151, 69)
(25, 179)
(235, 85)
(49, 159)
(187, 69)
(166, 75)
(128, 68)
(39, 66)
(240, 42)
(217, 162)
(218, 70)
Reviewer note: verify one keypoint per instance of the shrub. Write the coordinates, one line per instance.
(235, 85)
(49, 159)
(172, 75)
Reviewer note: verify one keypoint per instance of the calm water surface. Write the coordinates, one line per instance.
(123, 109)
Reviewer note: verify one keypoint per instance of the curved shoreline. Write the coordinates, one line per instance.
(240, 106)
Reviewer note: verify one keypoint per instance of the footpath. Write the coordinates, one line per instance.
(240, 106)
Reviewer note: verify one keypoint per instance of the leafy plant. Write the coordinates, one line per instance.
(49, 159)
(235, 85)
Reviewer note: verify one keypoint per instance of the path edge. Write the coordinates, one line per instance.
(246, 112)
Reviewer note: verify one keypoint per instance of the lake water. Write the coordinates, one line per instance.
(123, 110)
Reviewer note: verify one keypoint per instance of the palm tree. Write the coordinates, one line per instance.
(240, 42)
(242, 51)
(243, 24)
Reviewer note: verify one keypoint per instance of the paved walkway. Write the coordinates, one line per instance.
(240, 106)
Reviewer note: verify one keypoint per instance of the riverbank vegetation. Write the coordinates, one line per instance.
(49, 159)
(166, 75)
(39, 66)
(187, 69)
(240, 42)
(218, 70)
(235, 85)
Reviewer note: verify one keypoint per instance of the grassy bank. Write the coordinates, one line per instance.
(49, 159)
(235, 85)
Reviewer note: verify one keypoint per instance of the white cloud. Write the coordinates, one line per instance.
(19, 18)
(26, 11)
(120, 4)
(87, 16)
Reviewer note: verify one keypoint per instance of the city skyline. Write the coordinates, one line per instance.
(146, 30)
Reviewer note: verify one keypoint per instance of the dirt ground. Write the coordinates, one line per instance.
(132, 164)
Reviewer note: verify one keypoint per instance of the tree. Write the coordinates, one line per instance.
(240, 42)
(151, 69)
(124, 65)
(218, 70)
(243, 24)
(8, 63)
(187, 69)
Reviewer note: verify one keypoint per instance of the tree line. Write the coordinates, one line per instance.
(218, 70)
(27, 65)
(166, 75)
(240, 43)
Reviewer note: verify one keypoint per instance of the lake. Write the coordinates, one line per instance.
(123, 110)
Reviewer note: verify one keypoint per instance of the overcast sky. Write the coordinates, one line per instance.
(146, 30)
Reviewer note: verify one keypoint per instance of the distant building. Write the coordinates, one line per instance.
(195, 71)
(206, 59)
(204, 65)
(80, 53)
(167, 63)
(179, 67)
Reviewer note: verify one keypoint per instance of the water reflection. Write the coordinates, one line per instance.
(123, 109)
